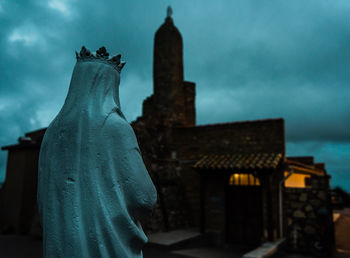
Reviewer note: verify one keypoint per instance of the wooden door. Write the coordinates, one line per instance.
(244, 211)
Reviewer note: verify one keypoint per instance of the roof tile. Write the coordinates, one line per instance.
(239, 161)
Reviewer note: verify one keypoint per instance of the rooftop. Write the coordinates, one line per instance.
(255, 161)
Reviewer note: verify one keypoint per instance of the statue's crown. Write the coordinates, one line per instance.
(101, 55)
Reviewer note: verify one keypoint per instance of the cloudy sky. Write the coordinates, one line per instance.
(249, 59)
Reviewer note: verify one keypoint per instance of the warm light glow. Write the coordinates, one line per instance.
(244, 180)
(296, 180)
(252, 178)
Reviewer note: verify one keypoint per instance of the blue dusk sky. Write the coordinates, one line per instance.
(249, 59)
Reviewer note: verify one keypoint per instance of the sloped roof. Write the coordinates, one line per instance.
(305, 168)
(239, 161)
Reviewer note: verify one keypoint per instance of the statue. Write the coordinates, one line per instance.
(169, 11)
(93, 187)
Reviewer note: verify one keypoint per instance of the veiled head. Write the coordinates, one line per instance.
(95, 82)
(102, 56)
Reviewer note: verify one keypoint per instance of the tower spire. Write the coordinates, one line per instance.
(169, 11)
(168, 73)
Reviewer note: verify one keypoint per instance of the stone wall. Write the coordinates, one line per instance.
(190, 109)
(308, 216)
(169, 93)
(172, 211)
(236, 137)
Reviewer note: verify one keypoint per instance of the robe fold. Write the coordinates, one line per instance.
(93, 187)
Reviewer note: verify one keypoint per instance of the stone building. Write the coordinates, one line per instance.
(232, 179)
(307, 211)
(18, 210)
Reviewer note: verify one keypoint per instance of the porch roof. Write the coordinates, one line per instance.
(305, 168)
(254, 161)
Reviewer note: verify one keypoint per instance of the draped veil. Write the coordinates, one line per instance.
(93, 186)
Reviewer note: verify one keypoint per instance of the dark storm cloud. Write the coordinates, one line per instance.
(250, 60)
(286, 60)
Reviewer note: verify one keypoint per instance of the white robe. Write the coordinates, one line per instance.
(93, 186)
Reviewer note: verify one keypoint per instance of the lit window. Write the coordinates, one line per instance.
(253, 179)
(296, 180)
(244, 180)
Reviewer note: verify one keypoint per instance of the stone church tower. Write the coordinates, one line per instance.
(172, 103)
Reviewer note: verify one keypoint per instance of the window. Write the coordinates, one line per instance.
(244, 180)
(297, 180)
(308, 181)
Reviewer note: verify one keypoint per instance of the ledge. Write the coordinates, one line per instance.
(265, 250)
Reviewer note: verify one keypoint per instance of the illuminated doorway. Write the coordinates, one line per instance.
(244, 210)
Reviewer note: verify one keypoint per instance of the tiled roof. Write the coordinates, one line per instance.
(239, 161)
(305, 168)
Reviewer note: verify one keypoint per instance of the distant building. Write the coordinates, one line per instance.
(18, 210)
(231, 179)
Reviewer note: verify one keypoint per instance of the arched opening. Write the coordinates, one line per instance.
(244, 180)
(244, 209)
